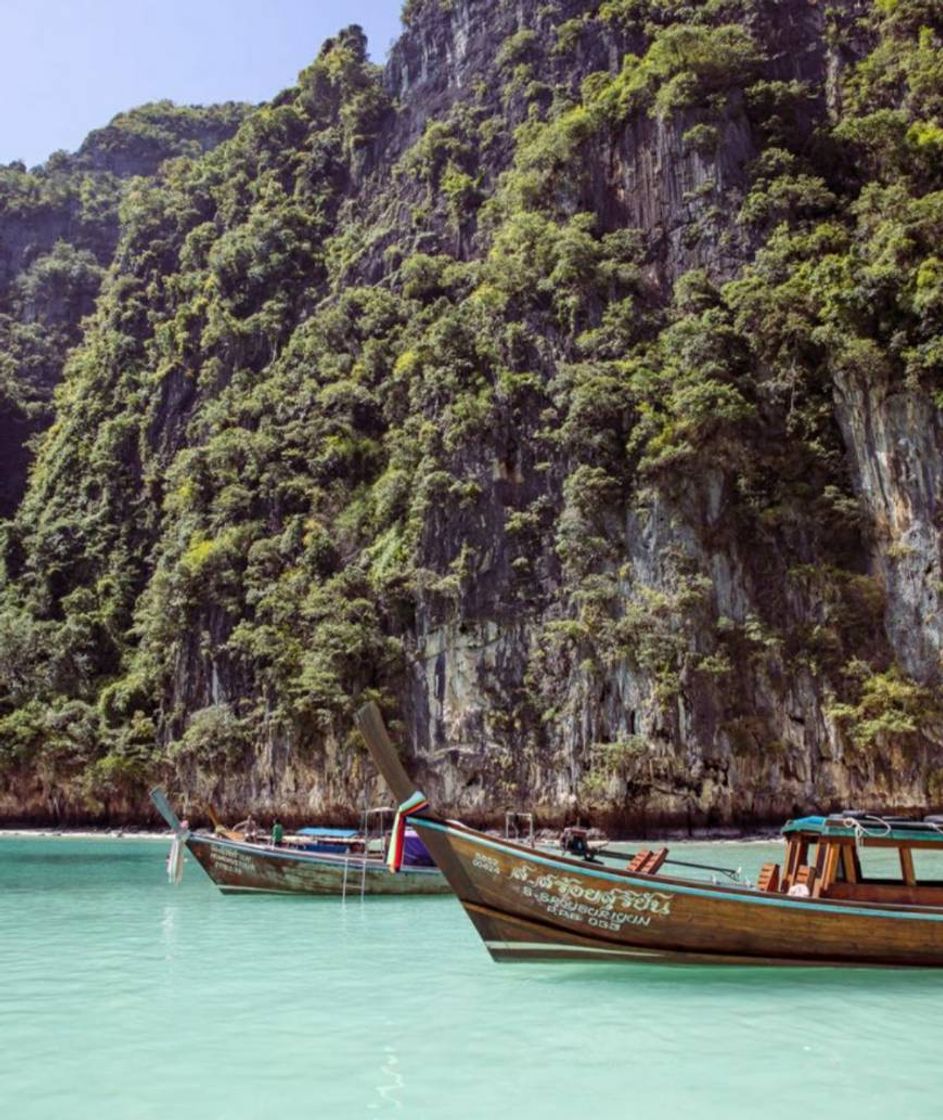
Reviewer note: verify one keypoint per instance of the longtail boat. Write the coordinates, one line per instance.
(819, 907)
(316, 861)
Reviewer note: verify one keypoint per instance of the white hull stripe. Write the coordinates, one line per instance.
(331, 891)
(549, 947)
(229, 889)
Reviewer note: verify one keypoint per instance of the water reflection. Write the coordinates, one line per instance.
(168, 931)
(391, 1089)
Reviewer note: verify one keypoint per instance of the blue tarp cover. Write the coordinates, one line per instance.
(342, 833)
(415, 853)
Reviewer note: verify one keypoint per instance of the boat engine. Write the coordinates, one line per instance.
(575, 842)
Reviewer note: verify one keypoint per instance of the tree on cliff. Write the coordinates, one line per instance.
(534, 385)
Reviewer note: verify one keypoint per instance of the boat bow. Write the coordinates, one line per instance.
(528, 903)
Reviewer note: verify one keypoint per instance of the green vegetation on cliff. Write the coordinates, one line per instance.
(59, 226)
(561, 358)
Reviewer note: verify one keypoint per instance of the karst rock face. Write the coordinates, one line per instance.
(569, 384)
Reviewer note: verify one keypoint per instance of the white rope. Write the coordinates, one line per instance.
(861, 832)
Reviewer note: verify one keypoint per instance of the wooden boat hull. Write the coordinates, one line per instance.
(532, 905)
(241, 868)
(529, 905)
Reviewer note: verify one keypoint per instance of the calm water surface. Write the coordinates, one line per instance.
(122, 998)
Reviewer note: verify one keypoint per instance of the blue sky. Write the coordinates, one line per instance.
(70, 65)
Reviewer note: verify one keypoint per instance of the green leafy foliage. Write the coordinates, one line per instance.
(334, 396)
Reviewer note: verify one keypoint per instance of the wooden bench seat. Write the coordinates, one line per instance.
(769, 878)
(647, 862)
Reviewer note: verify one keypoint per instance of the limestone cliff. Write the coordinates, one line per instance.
(570, 384)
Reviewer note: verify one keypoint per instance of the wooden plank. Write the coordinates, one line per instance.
(921, 842)
(887, 894)
(639, 860)
(769, 878)
(805, 877)
(795, 856)
(907, 867)
(655, 861)
(831, 869)
(821, 859)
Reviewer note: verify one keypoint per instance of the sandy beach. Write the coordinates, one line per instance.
(82, 834)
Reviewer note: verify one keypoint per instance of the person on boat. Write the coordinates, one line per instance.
(574, 841)
(251, 828)
(278, 834)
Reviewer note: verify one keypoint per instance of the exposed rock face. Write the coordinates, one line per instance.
(606, 535)
(894, 440)
(765, 745)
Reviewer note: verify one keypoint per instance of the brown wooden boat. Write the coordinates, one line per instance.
(325, 866)
(819, 908)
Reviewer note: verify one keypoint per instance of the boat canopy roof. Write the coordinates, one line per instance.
(339, 833)
(869, 826)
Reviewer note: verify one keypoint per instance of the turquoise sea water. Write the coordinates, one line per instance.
(122, 998)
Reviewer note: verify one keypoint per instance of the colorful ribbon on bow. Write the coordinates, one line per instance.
(412, 804)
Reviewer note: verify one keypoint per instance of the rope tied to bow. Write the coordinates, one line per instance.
(412, 804)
